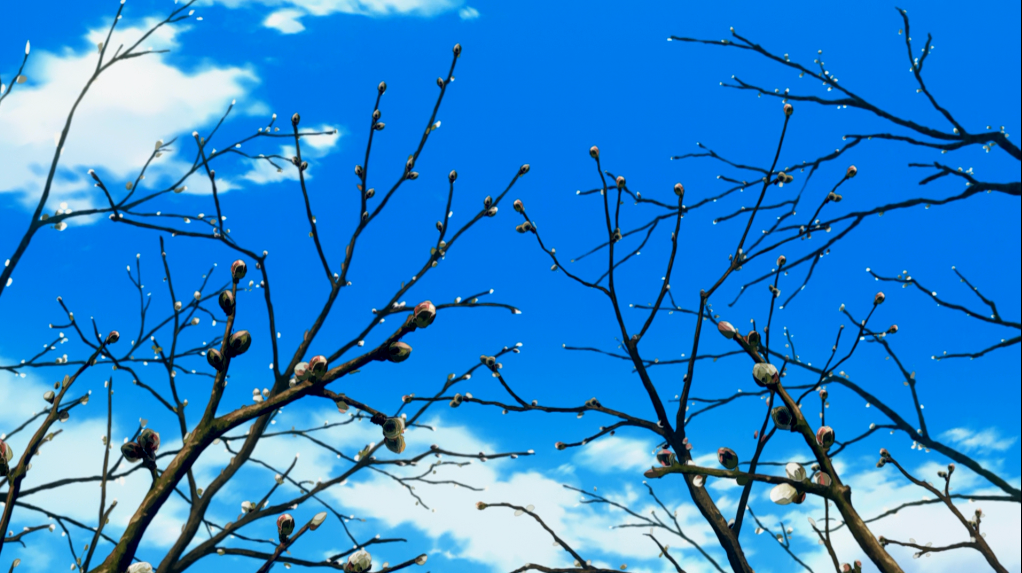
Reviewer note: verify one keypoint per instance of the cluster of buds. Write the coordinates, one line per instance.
(6, 453)
(285, 526)
(855, 568)
(489, 361)
(786, 494)
(359, 562)
(825, 437)
(727, 458)
(424, 314)
(144, 449)
(526, 227)
(312, 370)
(765, 374)
(946, 474)
(834, 197)
(456, 401)
(783, 178)
(393, 434)
(592, 403)
(885, 457)
(398, 352)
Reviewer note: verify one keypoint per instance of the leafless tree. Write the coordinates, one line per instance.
(297, 374)
(774, 359)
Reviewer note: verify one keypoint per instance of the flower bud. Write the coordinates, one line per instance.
(593, 403)
(753, 339)
(456, 401)
(285, 526)
(410, 164)
(238, 343)
(594, 152)
(765, 374)
(879, 298)
(781, 260)
(238, 270)
(113, 337)
(413, 175)
(489, 361)
(523, 169)
(726, 329)
(481, 506)
(823, 479)
(149, 441)
(727, 458)
(358, 562)
(382, 87)
(398, 352)
(215, 359)
(393, 427)
(440, 83)
(358, 171)
(318, 366)
(491, 212)
(452, 176)
(519, 206)
(620, 181)
(679, 189)
(893, 329)
(295, 119)
(132, 452)
(782, 417)
(825, 437)
(457, 50)
(227, 302)
(851, 172)
(370, 193)
(49, 396)
(666, 458)
(376, 115)
(302, 371)
(561, 446)
(424, 313)
(784, 494)
(788, 109)
(396, 445)
(140, 567)
(378, 126)
(6, 455)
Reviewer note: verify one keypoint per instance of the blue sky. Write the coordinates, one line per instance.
(539, 84)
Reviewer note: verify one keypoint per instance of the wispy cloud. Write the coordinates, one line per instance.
(984, 441)
(285, 21)
(468, 13)
(616, 454)
(286, 17)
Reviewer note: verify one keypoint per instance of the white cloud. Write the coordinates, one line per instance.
(615, 454)
(986, 440)
(285, 21)
(468, 13)
(285, 18)
(132, 104)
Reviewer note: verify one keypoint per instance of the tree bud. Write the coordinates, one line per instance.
(440, 83)
(765, 374)
(410, 164)
(825, 437)
(113, 337)
(359, 562)
(398, 352)
(457, 50)
(238, 270)
(879, 298)
(491, 212)
(227, 302)
(295, 119)
(396, 445)
(594, 152)
(753, 339)
(561, 446)
(238, 343)
(593, 403)
(782, 417)
(893, 329)
(149, 441)
(523, 169)
(393, 427)
(376, 115)
(285, 526)
(489, 361)
(215, 359)
(382, 87)
(318, 366)
(727, 458)
(519, 206)
(487, 202)
(788, 109)
(358, 171)
(679, 189)
(666, 458)
(781, 260)
(6, 455)
(452, 176)
(823, 479)
(726, 329)
(49, 396)
(852, 171)
(370, 193)
(132, 452)
(424, 313)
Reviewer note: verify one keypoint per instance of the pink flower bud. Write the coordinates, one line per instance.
(727, 458)
(765, 374)
(285, 526)
(620, 181)
(149, 441)
(481, 506)
(825, 437)
(519, 206)
(424, 314)
(238, 270)
(113, 337)
(666, 458)
(726, 329)
(823, 479)
(594, 152)
(318, 366)
(782, 418)
(679, 189)
(302, 372)
(215, 359)
(852, 171)
(560, 445)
